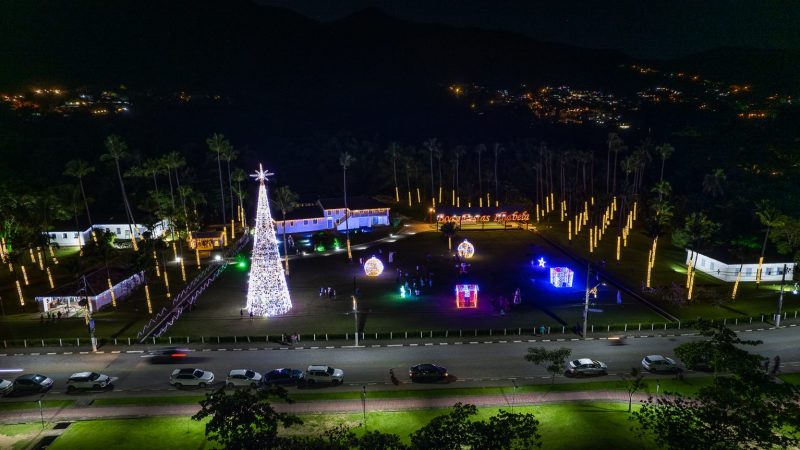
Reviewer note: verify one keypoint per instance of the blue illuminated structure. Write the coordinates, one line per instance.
(561, 276)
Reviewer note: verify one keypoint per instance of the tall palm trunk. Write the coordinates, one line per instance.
(230, 189)
(346, 212)
(127, 205)
(221, 190)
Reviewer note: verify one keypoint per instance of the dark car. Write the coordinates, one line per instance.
(283, 376)
(169, 355)
(32, 384)
(427, 372)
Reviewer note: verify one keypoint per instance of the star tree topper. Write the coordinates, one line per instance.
(262, 175)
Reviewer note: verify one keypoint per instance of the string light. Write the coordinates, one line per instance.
(233, 231)
(24, 274)
(736, 284)
(41, 261)
(419, 197)
(53, 254)
(268, 293)
(166, 283)
(758, 270)
(649, 267)
(183, 271)
(158, 269)
(19, 291)
(197, 256)
(33, 257)
(147, 296)
(569, 230)
(50, 279)
(397, 194)
(537, 213)
(113, 295)
(619, 238)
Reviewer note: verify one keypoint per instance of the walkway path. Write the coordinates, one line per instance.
(327, 406)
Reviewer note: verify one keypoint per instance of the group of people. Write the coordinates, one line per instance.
(51, 316)
(294, 338)
(415, 283)
(327, 292)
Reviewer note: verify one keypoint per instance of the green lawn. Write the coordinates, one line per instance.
(18, 436)
(575, 425)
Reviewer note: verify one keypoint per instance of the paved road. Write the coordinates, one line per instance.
(478, 364)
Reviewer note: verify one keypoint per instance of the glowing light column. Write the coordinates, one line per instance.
(267, 293)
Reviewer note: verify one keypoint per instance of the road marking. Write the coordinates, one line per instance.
(84, 353)
(443, 343)
(413, 345)
(35, 354)
(330, 347)
(560, 340)
(545, 340)
(395, 345)
(459, 343)
(574, 339)
(206, 350)
(503, 342)
(67, 353)
(375, 345)
(488, 342)
(428, 344)
(222, 349)
(314, 348)
(237, 349)
(284, 348)
(51, 353)
(517, 342)
(113, 351)
(473, 342)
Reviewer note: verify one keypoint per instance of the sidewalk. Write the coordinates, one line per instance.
(319, 407)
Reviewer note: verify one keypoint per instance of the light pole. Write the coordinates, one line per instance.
(514, 396)
(780, 299)
(355, 315)
(89, 320)
(586, 299)
(364, 404)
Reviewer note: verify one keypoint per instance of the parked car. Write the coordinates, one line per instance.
(88, 380)
(5, 386)
(427, 372)
(32, 383)
(586, 366)
(324, 374)
(191, 377)
(283, 376)
(243, 378)
(168, 355)
(659, 363)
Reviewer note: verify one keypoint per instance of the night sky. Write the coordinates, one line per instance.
(642, 28)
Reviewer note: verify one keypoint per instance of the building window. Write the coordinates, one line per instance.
(769, 270)
(305, 222)
(119, 230)
(64, 236)
(315, 221)
(749, 271)
(52, 236)
(75, 236)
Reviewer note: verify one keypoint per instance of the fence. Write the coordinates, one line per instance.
(564, 331)
(167, 316)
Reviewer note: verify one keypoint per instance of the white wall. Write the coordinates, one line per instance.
(71, 238)
(770, 271)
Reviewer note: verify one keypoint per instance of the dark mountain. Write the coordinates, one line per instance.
(768, 70)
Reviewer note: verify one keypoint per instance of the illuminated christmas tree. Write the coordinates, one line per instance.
(267, 293)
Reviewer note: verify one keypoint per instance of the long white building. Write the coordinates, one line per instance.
(65, 235)
(770, 271)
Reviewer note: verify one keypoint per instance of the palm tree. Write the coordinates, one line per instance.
(79, 169)
(438, 154)
(433, 146)
(219, 145)
(615, 146)
(665, 151)
(345, 160)
(497, 150)
(770, 217)
(457, 154)
(479, 149)
(713, 183)
(286, 201)
(117, 149)
(239, 176)
(229, 154)
(393, 150)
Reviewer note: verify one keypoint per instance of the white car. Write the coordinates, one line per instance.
(88, 380)
(191, 377)
(659, 363)
(243, 378)
(586, 366)
(324, 374)
(5, 386)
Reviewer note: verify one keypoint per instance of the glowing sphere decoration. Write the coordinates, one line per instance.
(466, 249)
(373, 267)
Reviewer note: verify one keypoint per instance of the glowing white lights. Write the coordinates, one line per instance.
(373, 267)
(267, 293)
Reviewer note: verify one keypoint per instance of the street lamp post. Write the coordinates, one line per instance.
(355, 315)
(780, 299)
(89, 320)
(586, 300)
(514, 396)
(364, 404)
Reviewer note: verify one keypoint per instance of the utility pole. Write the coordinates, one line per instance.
(355, 314)
(364, 404)
(586, 299)
(89, 320)
(780, 299)
(514, 396)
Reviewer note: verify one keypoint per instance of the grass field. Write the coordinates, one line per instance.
(600, 425)
(18, 436)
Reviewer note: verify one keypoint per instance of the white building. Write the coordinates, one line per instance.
(65, 235)
(770, 271)
(329, 214)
